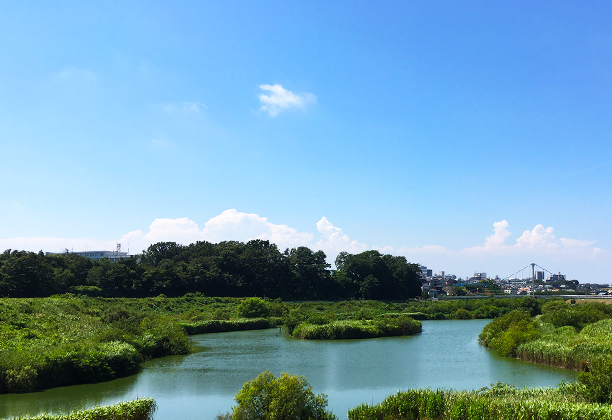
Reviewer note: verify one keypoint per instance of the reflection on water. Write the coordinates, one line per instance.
(203, 384)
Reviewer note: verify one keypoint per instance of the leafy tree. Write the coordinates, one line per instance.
(160, 251)
(26, 274)
(311, 276)
(371, 275)
(286, 397)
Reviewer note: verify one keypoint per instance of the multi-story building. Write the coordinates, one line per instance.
(97, 255)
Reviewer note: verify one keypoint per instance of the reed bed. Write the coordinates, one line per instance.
(535, 404)
(139, 409)
(214, 326)
(567, 348)
(357, 329)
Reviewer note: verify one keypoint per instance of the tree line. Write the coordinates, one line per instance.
(233, 269)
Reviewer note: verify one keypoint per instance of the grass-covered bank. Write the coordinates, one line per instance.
(571, 336)
(64, 341)
(139, 409)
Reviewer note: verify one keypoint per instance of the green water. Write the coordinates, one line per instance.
(203, 384)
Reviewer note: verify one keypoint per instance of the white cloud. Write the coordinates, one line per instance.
(577, 258)
(73, 75)
(161, 143)
(335, 241)
(576, 243)
(52, 244)
(239, 226)
(280, 99)
(184, 108)
(539, 239)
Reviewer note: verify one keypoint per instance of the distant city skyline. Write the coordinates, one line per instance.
(468, 137)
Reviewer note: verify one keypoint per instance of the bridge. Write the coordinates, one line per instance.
(532, 274)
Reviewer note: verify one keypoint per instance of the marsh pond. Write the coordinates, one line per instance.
(203, 384)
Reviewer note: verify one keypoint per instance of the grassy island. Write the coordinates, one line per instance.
(352, 329)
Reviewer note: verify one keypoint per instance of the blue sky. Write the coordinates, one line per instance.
(468, 136)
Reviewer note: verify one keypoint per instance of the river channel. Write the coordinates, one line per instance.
(203, 384)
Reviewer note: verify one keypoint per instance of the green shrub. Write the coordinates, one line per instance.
(253, 308)
(507, 332)
(286, 397)
(463, 314)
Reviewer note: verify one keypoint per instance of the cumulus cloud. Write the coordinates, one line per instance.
(239, 226)
(276, 99)
(334, 241)
(494, 256)
(231, 225)
(538, 239)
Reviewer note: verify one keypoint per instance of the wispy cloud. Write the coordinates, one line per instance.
(277, 99)
(161, 143)
(74, 75)
(184, 108)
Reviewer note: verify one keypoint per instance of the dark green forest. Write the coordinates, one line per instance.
(232, 269)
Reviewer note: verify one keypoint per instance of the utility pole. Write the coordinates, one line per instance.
(533, 279)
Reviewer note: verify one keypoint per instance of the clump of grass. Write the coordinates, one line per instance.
(138, 409)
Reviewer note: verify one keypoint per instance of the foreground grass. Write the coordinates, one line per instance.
(497, 403)
(139, 409)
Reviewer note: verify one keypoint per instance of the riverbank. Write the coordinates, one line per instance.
(570, 336)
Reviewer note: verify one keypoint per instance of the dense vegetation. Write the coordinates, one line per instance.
(63, 340)
(255, 268)
(572, 336)
(57, 341)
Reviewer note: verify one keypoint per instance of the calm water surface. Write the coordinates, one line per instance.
(203, 384)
